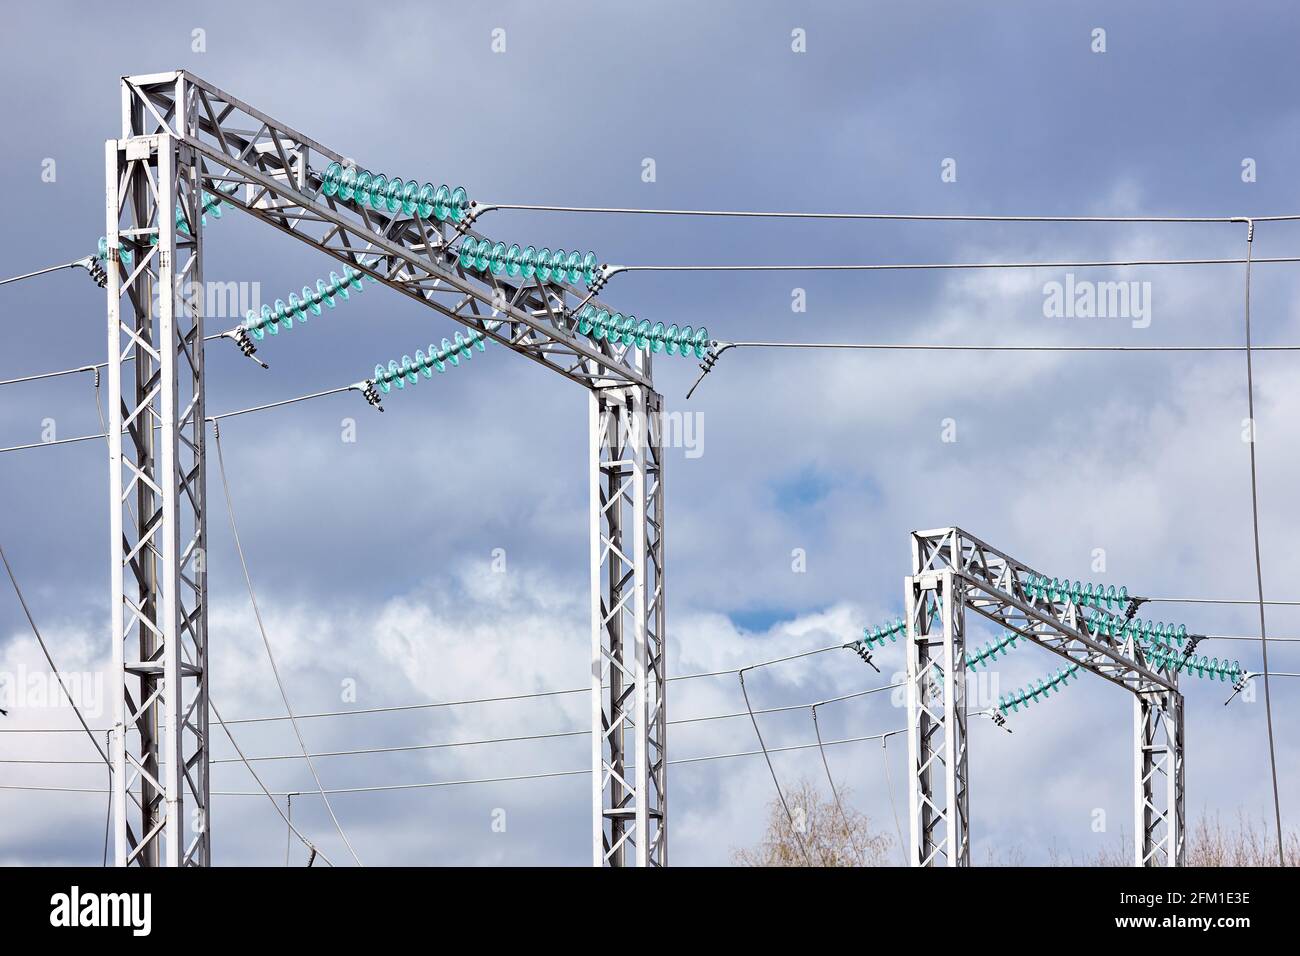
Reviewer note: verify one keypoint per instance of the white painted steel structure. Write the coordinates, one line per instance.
(180, 137)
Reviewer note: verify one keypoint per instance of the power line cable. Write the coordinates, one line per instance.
(89, 263)
(108, 813)
(848, 827)
(212, 418)
(1242, 637)
(482, 207)
(39, 376)
(48, 657)
(89, 367)
(384, 788)
(889, 783)
(52, 443)
(1187, 600)
(535, 694)
(613, 270)
(1259, 563)
(397, 708)
(356, 387)
(311, 847)
(772, 770)
(927, 347)
(718, 348)
(266, 643)
(546, 736)
(703, 718)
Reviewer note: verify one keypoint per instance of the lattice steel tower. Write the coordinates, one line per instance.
(954, 572)
(181, 137)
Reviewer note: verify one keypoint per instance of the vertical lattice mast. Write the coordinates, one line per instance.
(629, 792)
(936, 709)
(158, 496)
(1159, 817)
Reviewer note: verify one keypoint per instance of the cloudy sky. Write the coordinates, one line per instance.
(373, 559)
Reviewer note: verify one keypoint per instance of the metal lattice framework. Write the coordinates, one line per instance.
(953, 572)
(627, 619)
(273, 169)
(201, 138)
(158, 511)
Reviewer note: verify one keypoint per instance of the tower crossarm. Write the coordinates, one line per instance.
(270, 171)
(996, 589)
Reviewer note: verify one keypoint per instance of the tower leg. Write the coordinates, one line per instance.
(1158, 802)
(936, 709)
(157, 504)
(628, 662)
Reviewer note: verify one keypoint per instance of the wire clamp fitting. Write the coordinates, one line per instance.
(864, 652)
(96, 271)
(1240, 684)
(1133, 604)
(370, 393)
(239, 335)
(999, 719)
(716, 348)
(600, 280)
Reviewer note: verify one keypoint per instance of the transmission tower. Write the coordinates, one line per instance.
(953, 572)
(182, 136)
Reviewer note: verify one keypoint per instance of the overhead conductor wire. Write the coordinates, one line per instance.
(266, 643)
(1259, 564)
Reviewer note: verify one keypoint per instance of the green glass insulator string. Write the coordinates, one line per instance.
(484, 255)
(876, 637)
(1166, 659)
(873, 638)
(1036, 690)
(602, 325)
(990, 650)
(392, 196)
(282, 314)
(211, 206)
(1146, 633)
(1099, 596)
(408, 370)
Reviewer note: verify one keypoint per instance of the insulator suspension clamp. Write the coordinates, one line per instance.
(239, 335)
(245, 343)
(710, 357)
(864, 652)
(96, 271)
(371, 394)
(999, 719)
